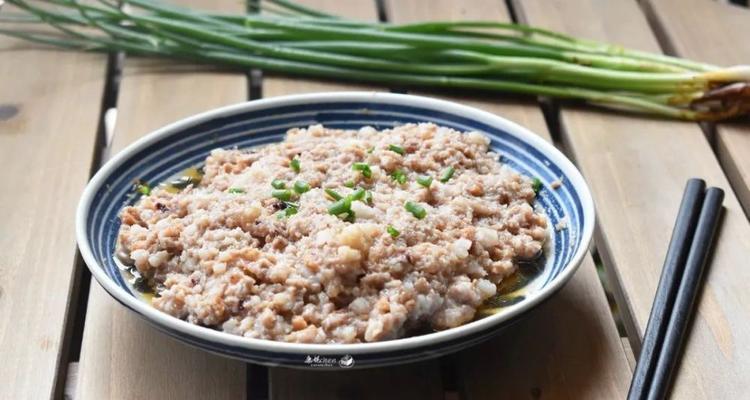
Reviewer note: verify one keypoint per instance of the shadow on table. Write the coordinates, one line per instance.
(567, 348)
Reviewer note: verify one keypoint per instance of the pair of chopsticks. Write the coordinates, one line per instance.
(679, 285)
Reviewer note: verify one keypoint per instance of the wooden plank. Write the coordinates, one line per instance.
(122, 356)
(585, 349)
(715, 33)
(49, 111)
(637, 169)
(416, 381)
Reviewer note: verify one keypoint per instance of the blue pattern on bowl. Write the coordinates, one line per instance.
(176, 148)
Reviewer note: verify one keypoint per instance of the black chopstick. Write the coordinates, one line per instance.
(708, 221)
(679, 245)
(680, 281)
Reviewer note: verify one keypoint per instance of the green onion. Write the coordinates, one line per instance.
(301, 187)
(143, 189)
(332, 194)
(358, 194)
(295, 164)
(349, 184)
(370, 150)
(278, 184)
(368, 197)
(536, 184)
(425, 181)
(340, 206)
(392, 231)
(283, 195)
(447, 174)
(183, 182)
(289, 211)
(286, 213)
(396, 149)
(415, 209)
(473, 55)
(236, 190)
(364, 168)
(399, 176)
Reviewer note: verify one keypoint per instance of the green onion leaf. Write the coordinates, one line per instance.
(370, 150)
(368, 197)
(447, 174)
(289, 211)
(143, 189)
(236, 190)
(399, 176)
(425, 181)
(392, 231)
(301, 187)
(396, 149)
(278, 184)
(536, 184)
(295, 164)
(349, 184)
(332, 194)
(364, 168)
(415, 209)
(340, 206)
(283, 195)
(358, 194)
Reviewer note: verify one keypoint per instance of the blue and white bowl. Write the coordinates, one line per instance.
(186, 143)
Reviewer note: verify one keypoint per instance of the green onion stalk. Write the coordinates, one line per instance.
(285, 37)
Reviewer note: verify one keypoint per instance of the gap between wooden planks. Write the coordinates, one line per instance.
(414, 381)
(637, 168)
(49, 112)
(569, 347)
(122, 356)
(715, 33)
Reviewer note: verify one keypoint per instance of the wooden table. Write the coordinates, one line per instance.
(61, 334)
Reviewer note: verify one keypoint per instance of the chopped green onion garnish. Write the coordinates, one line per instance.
(370, 150)
(236, 190)
(349, 184)
(399, 176)
(425, 181)
(392, 231)
(536, 184)
(190, 177)
(291, 209)
(143, 189)
(447, 174)
(364, 168)
(301, 187)
(396, 149)
(278, 184)
(295, 164)
(341, 206)
(358, 194)
(415, 209)
(368, 197)
(283, 195)
(332, 194)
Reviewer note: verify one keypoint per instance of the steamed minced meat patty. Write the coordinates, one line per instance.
(227, 254)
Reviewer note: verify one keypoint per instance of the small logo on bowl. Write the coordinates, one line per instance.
(314, 361)
(346, 361)
(320, 361)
